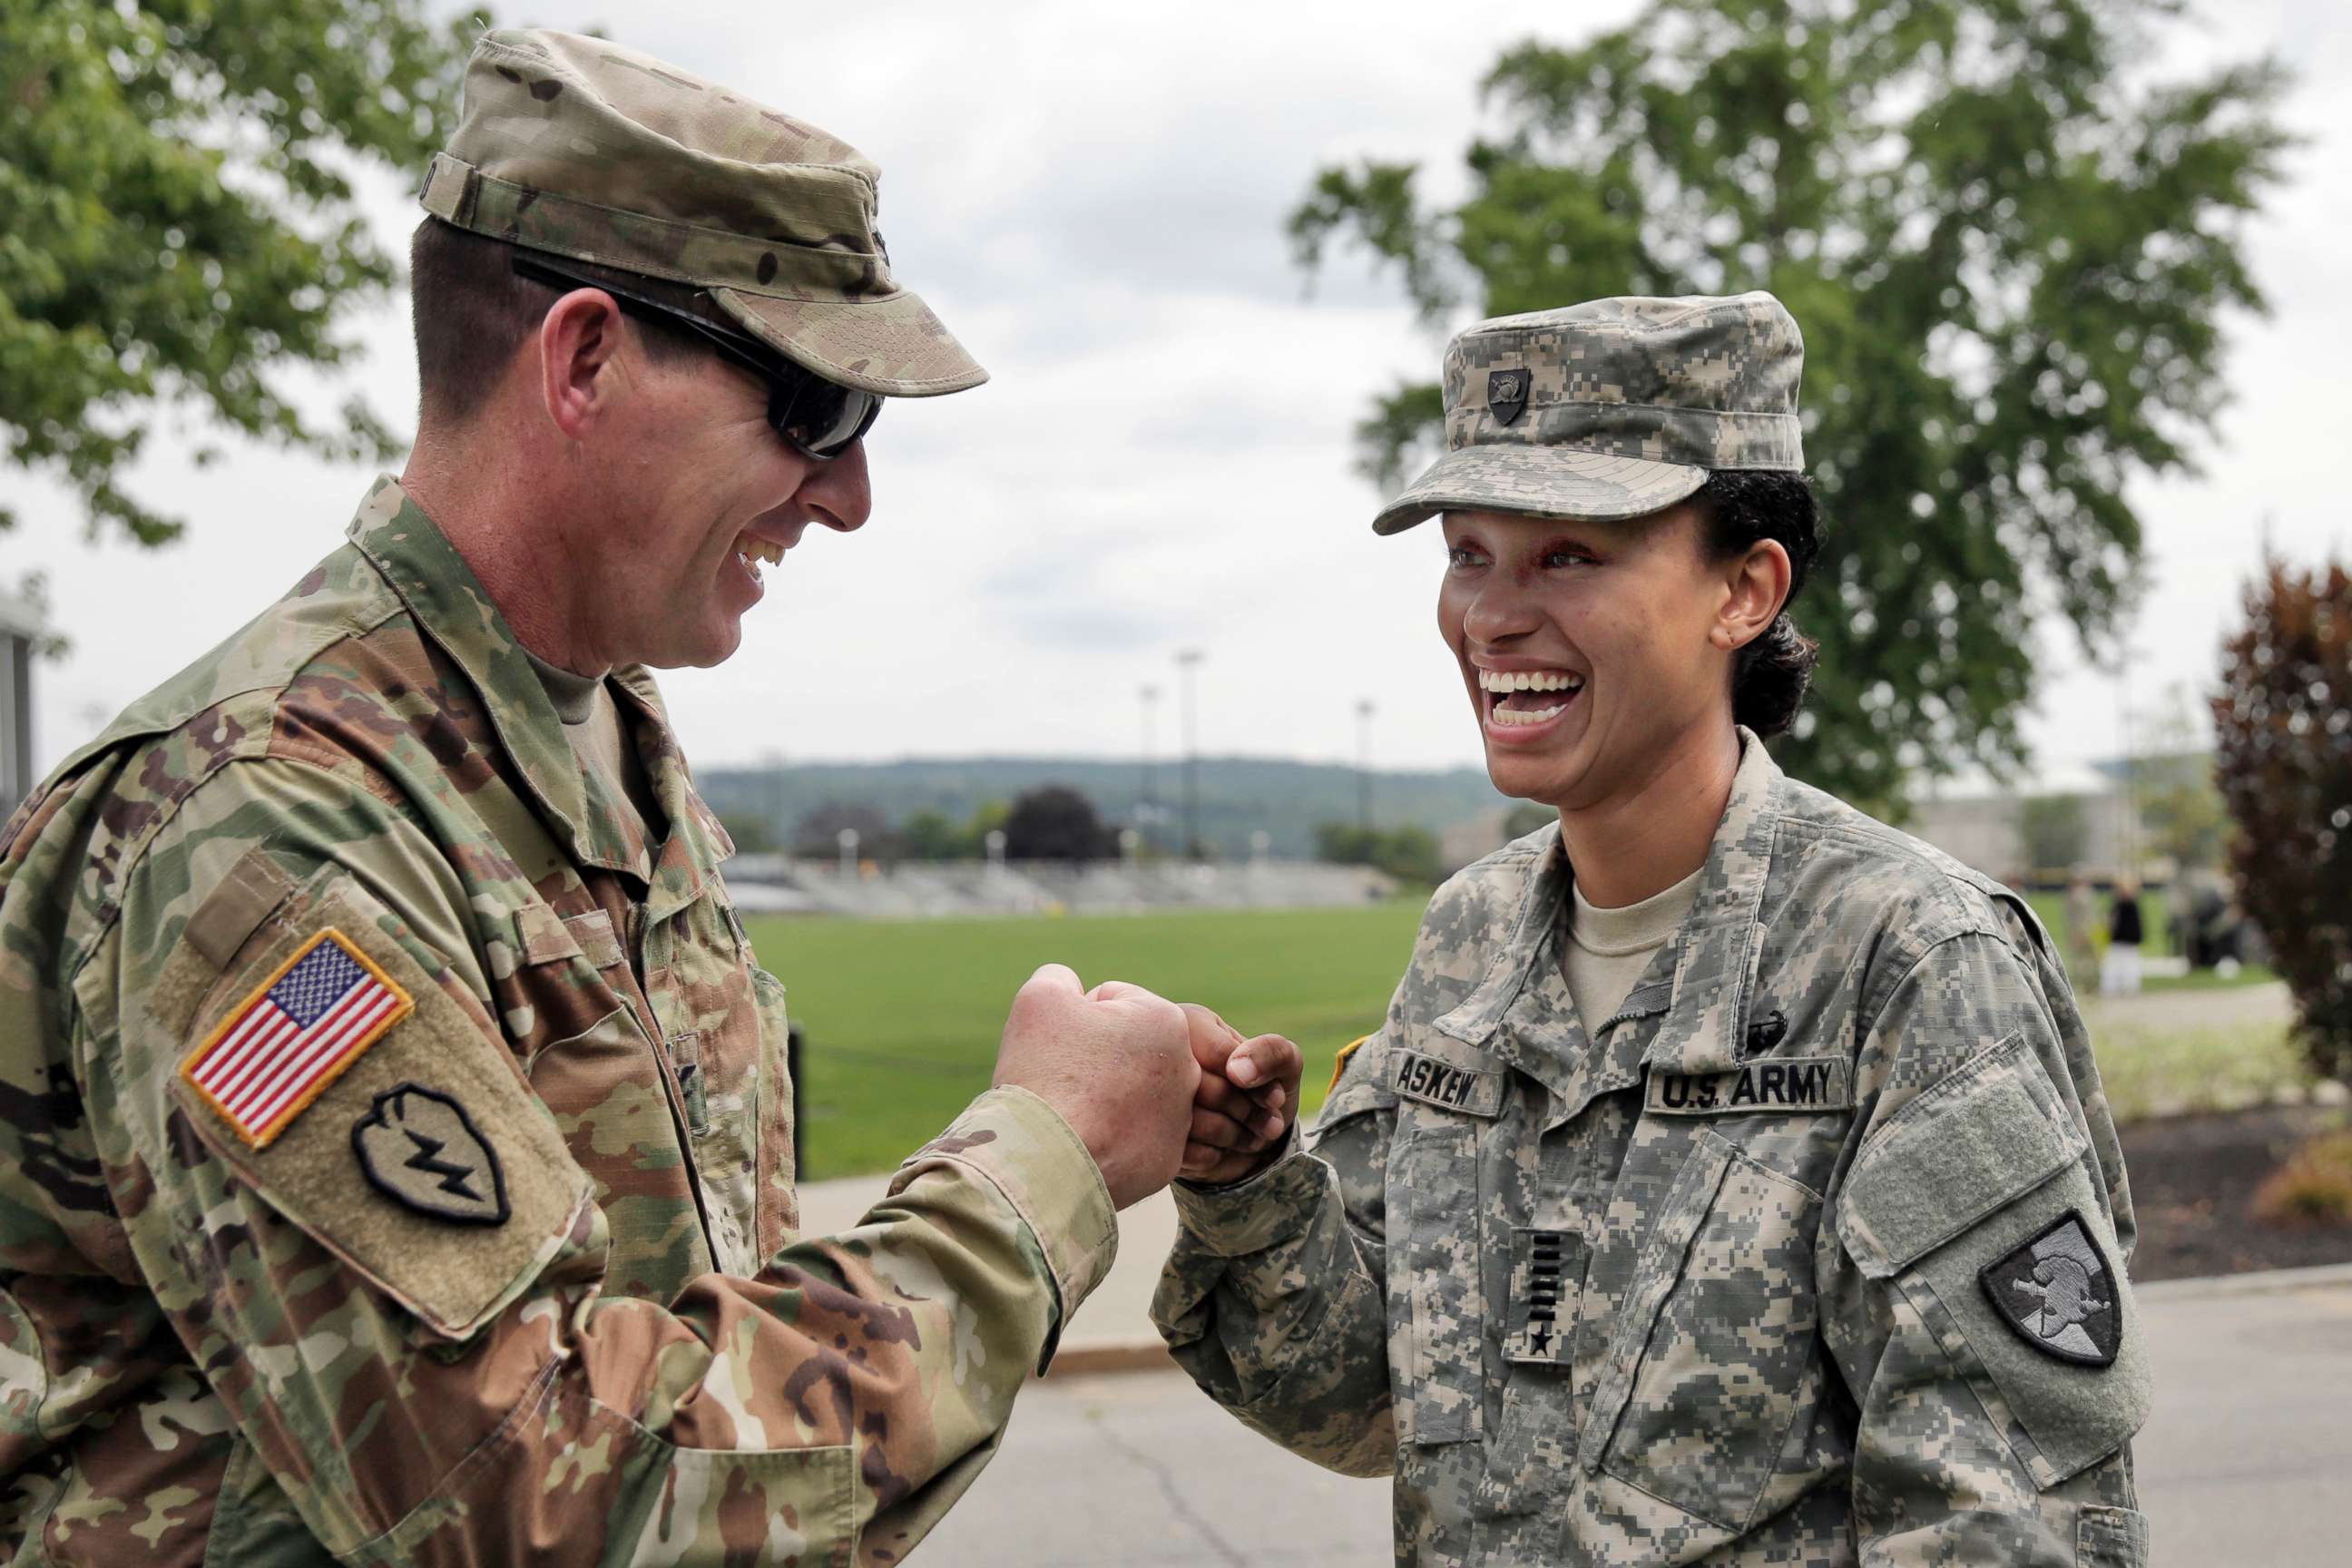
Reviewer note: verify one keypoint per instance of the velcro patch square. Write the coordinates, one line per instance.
(279, 1049)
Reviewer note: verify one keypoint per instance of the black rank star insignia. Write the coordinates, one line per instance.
(419, 1146)
(2059, 1294)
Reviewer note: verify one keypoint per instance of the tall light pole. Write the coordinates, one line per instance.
(2127, 797)
(1187, 663)
(1364, 765)
(1150, 808)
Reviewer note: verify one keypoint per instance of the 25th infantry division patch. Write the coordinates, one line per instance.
(279, 1049)
(419, 1145)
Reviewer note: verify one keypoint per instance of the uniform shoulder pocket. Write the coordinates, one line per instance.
(355, 1094)
(1976, 1203)
(1962, 1149)
(1442, 1399)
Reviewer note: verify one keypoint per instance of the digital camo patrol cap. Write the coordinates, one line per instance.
(582, 148)
(1612, 408)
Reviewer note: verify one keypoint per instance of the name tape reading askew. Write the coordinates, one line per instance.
(1443, 1084)
(1808, 1083)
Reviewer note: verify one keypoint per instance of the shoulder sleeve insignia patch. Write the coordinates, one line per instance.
(2059, 1295)
(1339, 1064)
(279, 1049)
(421, 1148)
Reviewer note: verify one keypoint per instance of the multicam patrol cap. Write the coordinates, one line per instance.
(584, 149)
(1611, 409)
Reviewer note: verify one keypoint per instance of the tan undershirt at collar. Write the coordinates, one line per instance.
(601, 742)
(1607, 949)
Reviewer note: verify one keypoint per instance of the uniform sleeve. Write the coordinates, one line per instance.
(1275, 1296)
(395, 1288)
(1974, 1291)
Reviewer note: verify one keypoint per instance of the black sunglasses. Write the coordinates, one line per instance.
(819, 419)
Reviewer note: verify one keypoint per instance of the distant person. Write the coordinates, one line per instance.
(2081, 925)
(1731, 1181)
(398, 1165)
(2119, 972)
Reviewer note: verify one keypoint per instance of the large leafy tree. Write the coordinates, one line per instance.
(178, 221)
(2009, 241)
(1056, 823)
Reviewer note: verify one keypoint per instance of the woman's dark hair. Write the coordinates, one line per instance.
(1742, 507)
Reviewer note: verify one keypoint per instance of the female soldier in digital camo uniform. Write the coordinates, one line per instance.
(1730, 1181)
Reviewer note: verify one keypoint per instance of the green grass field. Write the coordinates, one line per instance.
(2150, 1070)
(2153, 913)
(901, 1018)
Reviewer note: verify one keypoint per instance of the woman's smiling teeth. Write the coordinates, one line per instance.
(1511, 708)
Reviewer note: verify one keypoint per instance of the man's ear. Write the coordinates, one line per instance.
(578, 340)
(1756, 584)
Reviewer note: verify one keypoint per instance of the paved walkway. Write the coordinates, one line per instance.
(2246, 1457)
(2191, 1008)
(2243, 1461)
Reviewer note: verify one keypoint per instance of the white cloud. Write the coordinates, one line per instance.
(1092, 196)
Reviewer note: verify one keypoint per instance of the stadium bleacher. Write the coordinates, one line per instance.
(777, 884)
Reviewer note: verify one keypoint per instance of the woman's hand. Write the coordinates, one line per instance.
(1247, 1101)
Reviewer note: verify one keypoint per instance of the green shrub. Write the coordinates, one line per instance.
(2314, 1188)
(2282, 757)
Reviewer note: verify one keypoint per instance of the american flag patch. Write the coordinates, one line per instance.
(282, 1046)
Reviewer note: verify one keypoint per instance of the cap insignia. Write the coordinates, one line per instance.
(1506, 394)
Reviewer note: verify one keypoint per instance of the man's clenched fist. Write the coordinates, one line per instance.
(1247, 1098)
(1117, 1063)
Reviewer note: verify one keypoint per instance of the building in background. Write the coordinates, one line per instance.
(2030, 830)
(20, 635)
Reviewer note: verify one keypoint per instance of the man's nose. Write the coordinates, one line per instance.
(840, 494)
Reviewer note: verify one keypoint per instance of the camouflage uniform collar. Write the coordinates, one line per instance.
(1716, 955)
(684, 865)
(457, 615)
(1711, 959)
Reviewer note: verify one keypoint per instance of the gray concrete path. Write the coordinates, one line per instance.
(2248, 1457)
(2219, 1006)
(1141, 1470)
(2246, 1461)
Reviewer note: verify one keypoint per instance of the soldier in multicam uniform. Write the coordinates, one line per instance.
(1731, 1181)
(396, 1163)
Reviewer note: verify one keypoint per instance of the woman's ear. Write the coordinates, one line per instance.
(1756, 584)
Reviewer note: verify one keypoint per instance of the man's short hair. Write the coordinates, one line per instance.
(471, 312)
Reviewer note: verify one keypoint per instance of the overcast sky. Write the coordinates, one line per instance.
(1092, 196)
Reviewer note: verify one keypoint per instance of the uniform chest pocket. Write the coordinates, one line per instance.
(1714, 1357)
(1443, 1380)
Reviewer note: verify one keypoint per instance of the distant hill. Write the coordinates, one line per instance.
(1239, 795)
